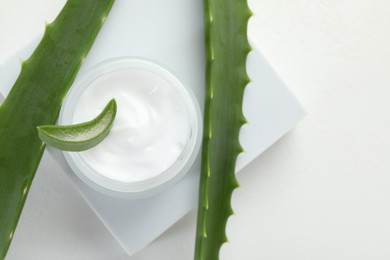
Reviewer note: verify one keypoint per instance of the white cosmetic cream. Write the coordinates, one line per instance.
(155, 136)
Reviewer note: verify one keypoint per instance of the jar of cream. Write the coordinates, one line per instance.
(156, 134)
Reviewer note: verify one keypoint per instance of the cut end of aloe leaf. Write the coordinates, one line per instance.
(80, 137)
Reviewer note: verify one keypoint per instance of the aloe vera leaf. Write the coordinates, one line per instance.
(226, 50)
(80, 137)
(35, 99)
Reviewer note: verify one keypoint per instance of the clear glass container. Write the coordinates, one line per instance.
(162, 180)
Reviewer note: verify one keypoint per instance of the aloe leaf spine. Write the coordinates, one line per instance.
(226, 50)
(36, 98)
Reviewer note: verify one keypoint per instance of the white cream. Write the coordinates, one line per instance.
(151, 127)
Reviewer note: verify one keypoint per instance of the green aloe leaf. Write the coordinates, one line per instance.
(36, 98)
(79, 137)
(226, 49)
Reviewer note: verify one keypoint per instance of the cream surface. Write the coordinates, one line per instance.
(150, 130)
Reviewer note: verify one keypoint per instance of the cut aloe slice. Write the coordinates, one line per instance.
(80, 137)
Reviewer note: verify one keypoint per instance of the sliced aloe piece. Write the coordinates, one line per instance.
(80, 137)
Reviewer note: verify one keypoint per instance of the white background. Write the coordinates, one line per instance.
(322, 192)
